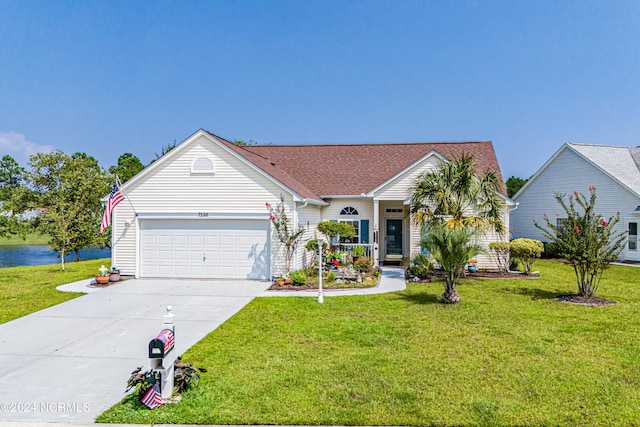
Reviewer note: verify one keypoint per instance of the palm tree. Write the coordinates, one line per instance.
(452, 249)
(454, 195)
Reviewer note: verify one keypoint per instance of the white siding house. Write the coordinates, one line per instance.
(576, 167)
(199, 211)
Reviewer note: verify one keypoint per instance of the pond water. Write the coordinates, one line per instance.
(15, 255)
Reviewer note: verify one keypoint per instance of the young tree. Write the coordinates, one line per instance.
(452, 248)
(452, 194)
(128, 166)
(289, 237)
(70, 189)
(334, 230)
(585, 239)
(11, 190)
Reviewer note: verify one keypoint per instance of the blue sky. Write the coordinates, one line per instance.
(108, 77)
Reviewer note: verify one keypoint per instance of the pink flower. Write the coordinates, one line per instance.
(271, 217)
(267, 204)
(575, 193)
(592, 188)
(604, 223)
(544, 214)
(618, 213)
(576, 229)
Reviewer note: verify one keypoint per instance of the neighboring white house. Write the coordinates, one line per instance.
(199, 211)
(615, 173)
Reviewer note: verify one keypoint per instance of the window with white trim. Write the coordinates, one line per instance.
(350, 212)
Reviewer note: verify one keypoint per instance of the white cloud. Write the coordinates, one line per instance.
(17, 146)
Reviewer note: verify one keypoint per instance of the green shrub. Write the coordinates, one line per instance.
(551, 250)
(500, 253)
(312, 245)
(311, 272)
(526, 251)
(422, 260)
(298, 278)
(419, 271)
(331, 277)
(363, 264)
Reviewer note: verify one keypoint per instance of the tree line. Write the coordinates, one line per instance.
(67, 190)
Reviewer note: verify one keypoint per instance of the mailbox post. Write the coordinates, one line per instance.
(162, 354)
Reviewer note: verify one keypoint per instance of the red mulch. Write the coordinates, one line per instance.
(588, 301)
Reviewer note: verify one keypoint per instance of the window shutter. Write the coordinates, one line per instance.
(364, 231)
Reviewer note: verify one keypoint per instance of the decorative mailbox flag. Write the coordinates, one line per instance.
(152, 398)
(168, 338)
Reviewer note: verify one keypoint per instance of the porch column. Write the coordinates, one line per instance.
(376, 232)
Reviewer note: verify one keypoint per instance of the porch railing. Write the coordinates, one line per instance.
(348, 248)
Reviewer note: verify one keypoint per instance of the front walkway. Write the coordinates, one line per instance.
(391, 280)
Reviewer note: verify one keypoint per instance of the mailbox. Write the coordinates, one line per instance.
(162, 344)
(161, 358)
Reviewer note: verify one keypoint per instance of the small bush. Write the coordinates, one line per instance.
(298, 278)
(500, 253)
(551, 250)
(363, 264)
(312, 245)
(311, 272)
(331, 277)
(526, 251)
(419, 271)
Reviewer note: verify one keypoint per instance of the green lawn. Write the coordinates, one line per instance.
(31, 239)
(508, 354)
(24, 290)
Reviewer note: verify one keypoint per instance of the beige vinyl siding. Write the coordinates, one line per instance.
(308, 217)
(398, 188)
(364, 205)
(171, 188)
(567, 173)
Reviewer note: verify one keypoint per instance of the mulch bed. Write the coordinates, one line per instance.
(503, 275)
(588, 301)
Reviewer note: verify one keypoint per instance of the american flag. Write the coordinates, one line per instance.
(152, 398)
(114, 198)
(168, 338)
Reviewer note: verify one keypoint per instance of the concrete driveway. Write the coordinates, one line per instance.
(70, 362)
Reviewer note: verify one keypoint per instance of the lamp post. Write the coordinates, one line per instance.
(320, 294)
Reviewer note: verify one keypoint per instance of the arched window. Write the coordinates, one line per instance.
(349, 211)
(202, 165)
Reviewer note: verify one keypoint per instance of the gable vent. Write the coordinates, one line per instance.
(202, 165)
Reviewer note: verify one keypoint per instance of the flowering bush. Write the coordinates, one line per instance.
(586, 240)
(288, 237)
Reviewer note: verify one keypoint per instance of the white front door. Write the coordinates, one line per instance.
(632, 251)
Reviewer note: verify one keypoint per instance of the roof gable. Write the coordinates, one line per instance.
(618, 162)
(622, 164)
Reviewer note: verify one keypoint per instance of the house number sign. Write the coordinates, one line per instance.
(203, 214)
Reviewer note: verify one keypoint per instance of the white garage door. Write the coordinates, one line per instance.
(229, 249)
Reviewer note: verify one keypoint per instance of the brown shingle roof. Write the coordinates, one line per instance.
(331, 170)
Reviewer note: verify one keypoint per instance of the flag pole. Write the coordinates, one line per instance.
(119, 184)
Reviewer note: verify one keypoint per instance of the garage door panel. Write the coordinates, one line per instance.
(205, 248)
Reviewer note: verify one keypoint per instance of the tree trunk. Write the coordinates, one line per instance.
(450, 295)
